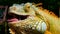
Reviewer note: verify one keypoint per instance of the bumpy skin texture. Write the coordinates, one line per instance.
(39, 21)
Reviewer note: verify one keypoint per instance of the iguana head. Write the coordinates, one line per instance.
(24, 15)
(22, 10)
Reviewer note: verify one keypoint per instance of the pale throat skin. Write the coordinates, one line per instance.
(37, 20)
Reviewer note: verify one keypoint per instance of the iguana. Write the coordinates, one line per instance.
(29, 19)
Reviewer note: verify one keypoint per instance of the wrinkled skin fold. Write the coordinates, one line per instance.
(38, 21)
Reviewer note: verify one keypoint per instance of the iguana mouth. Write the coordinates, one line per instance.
(26, 18)
(14, 17)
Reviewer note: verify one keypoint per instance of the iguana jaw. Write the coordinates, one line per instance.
(20, 12)
(12, 18)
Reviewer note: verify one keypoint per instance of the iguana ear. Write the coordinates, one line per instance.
(44, 26)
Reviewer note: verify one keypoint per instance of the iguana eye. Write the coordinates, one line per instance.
(28, 6)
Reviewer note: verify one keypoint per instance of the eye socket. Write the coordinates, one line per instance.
(27, 9)
(28, 6)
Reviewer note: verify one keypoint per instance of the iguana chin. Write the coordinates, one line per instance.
(29, 19)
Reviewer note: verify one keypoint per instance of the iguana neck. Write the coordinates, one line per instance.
(53, 20)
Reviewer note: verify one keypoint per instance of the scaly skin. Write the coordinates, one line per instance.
(34, 23)
(53, 20)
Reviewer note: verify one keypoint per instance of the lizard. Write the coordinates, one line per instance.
(37, 21)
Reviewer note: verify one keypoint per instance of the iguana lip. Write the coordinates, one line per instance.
(14, 17)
